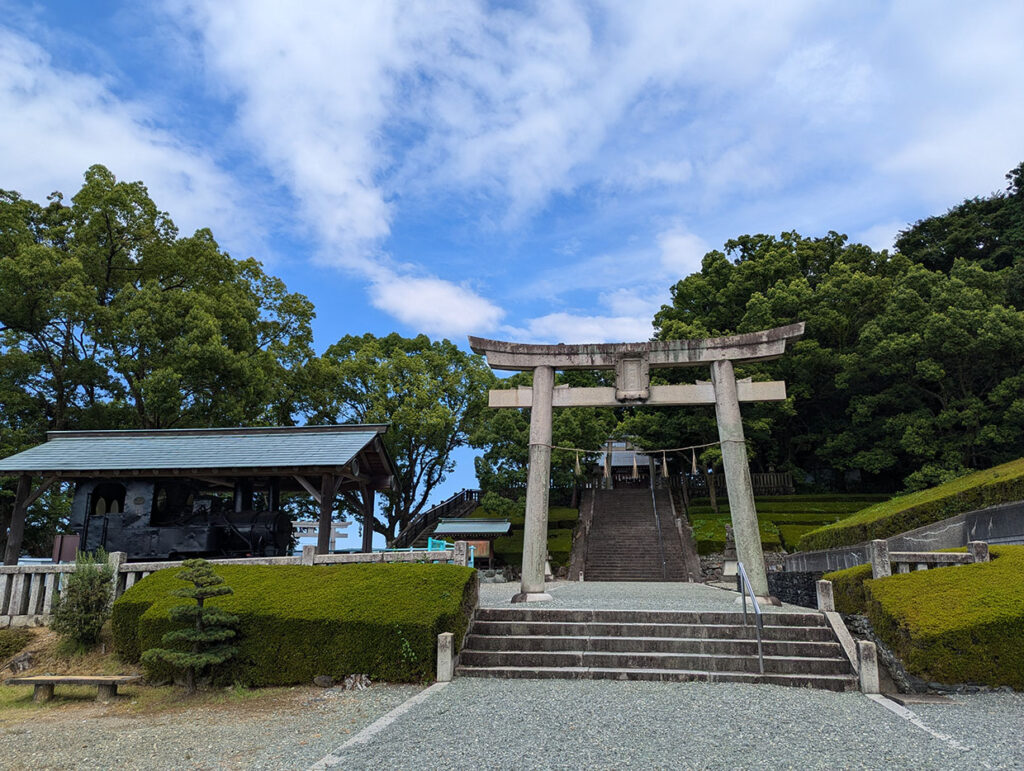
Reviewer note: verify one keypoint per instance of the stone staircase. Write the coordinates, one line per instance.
(800, 649)
(623, 541)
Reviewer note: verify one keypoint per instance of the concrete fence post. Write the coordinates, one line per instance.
(826, 600)
(978, 551)
(867, 654)
(880, 567)
(461, 555)
(445, 656)
(116, 559)
(308, 554)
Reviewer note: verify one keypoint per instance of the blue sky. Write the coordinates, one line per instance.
(530, 171)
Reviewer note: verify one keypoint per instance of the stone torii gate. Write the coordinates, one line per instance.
(632, 363)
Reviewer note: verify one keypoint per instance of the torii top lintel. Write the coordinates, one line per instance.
(752, 346)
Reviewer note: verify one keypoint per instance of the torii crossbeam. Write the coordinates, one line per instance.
(632, 363)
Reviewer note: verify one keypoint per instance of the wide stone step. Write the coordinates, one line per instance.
(616, 629)
(620, 644)
(655, 660)
(829, 682)
(609, 615)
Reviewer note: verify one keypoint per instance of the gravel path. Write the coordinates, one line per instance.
(292, 729)
(631, 595)
(478, 723)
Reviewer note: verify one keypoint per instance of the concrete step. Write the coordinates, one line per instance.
(608, 615)
(619, 644)
(682, 631)
(655, 660)
(827, 682)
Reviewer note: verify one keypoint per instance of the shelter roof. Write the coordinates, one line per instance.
(221, 451)
(484, 528)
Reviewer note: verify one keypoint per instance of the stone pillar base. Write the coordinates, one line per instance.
(531, 597)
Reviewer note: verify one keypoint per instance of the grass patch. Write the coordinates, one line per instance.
(1001, 484)
(561, 521)
(13, 641)
(961, 624)
(297, 621)
(710, 535)
(791, 534)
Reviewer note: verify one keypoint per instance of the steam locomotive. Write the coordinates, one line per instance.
(172, 519)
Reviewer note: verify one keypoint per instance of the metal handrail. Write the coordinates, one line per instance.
(657, 522)
(748, 589)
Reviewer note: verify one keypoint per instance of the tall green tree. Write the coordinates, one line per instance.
(430, 392)
(504, 436)
(110, 319)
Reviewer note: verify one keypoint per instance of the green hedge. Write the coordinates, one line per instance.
(510, 547)
(12, 641)
(848, 588)
(960, 624)
(791, 534)
(1001, 484)
(710, 535)
(297, 622)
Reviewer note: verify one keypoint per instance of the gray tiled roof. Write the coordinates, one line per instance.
(483, 527)
(218, 448)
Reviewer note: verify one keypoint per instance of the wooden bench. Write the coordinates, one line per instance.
(106, 685)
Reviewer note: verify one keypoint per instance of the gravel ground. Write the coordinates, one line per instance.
(631, 595)
(286, 731)
(479, 723)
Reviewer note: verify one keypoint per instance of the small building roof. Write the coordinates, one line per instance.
(213, 451)
(483, 528)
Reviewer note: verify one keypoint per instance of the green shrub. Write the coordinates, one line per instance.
(790, 534)
(1001, 484)
(560, 547)
(84, 604)
(201, 640)
(710, 535)
(961, 624)
(848, 588)
(296, 622)
(563, 516)
(12, 642)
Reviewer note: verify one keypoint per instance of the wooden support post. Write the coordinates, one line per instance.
(323, 538)
(367, 520)
(16, 532)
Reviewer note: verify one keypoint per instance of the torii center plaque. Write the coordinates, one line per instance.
(632, 363)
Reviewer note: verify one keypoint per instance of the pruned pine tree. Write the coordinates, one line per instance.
(202, 644)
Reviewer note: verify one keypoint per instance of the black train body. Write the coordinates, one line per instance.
(161, 519)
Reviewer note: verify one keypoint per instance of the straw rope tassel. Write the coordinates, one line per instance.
(694, 454)
(607, 464)
(636, 472)
(579, 471)
(664, 466)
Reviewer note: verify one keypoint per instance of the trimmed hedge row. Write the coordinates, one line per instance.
(1001, 484)
(848, 588)
(959, 624)
(297, 621)
(561, 522)
(710, 535)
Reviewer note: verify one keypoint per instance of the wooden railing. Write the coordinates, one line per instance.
(28, 593)
(458, 505)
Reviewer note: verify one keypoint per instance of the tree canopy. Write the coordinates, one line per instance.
(110, 319)
(432, 393)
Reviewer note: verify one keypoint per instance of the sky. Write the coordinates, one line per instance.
(537, 172)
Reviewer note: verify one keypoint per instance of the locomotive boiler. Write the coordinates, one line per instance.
(180, 518)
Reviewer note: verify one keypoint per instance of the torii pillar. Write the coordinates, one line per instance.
(632, 363)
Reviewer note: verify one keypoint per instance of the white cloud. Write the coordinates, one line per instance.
(880, 236)
(434, 305)
(681, 251)
(565, 327)
(58, 123)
